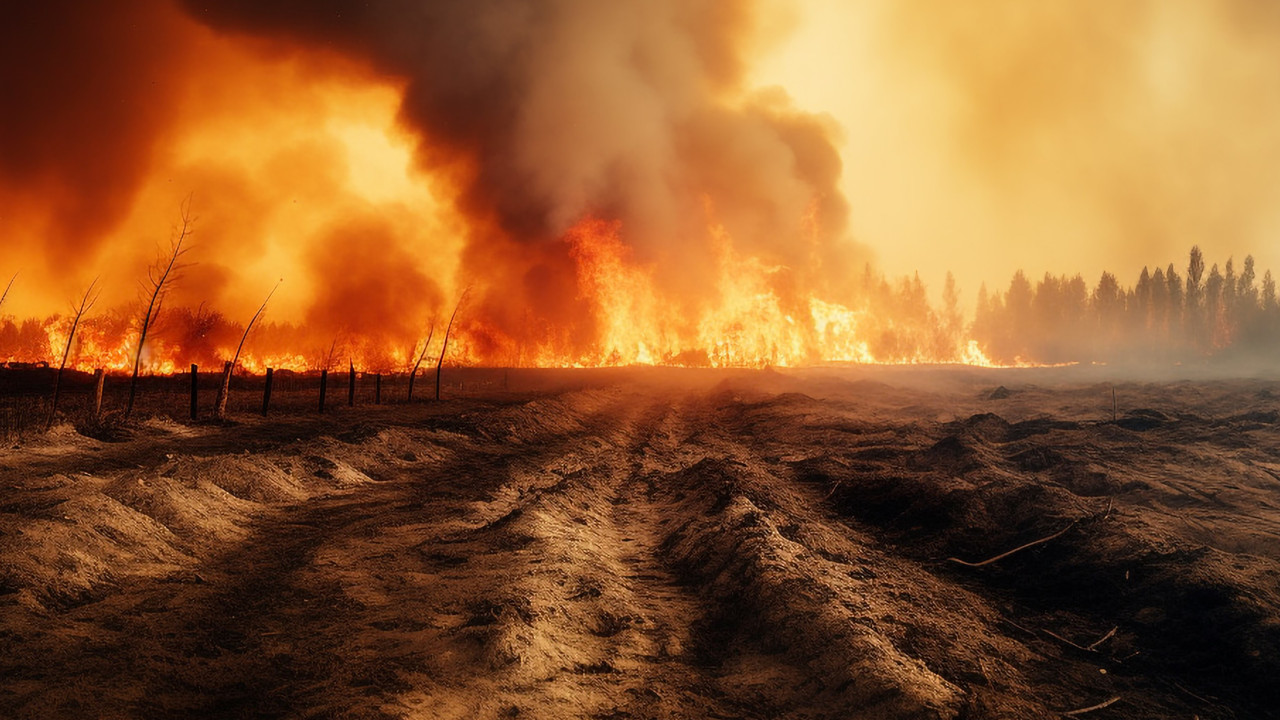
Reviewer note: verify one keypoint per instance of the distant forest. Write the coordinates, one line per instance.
(1164, 317)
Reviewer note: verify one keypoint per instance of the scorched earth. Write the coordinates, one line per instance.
(855, 543)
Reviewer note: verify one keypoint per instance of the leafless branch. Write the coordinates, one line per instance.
(431, 332)
(445, 346)
(224, 390)
(160, 275)
(86, 303)
(236, 358)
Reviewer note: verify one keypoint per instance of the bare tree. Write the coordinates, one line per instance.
(414, 373)
(220, 407)
(444, 347)
(86, 303)
(159, 277)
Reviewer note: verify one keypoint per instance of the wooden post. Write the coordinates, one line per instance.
(1113, 403)
(324, 383)
(377, 389)
(266, 394)
(195, 389)
(351, 385)
(99, 378)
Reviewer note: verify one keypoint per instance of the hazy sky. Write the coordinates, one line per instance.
(992, 135)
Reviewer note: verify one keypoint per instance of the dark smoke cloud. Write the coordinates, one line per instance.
(86, 93)
(549, 111)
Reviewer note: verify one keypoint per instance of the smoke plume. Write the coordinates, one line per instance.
(544, 113)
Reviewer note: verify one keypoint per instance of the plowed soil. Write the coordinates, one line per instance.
(649, 544)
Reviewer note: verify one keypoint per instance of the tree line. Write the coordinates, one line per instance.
(1165, 316)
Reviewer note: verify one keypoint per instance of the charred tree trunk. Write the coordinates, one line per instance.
(266, 394)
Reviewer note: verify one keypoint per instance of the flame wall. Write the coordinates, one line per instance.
(598, 174)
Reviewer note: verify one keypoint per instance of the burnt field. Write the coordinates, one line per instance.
(841, 543)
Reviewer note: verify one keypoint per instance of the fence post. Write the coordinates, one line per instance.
(351, 386)
(99, 378)
(195, 389)
(266, 394)
(324, 382)
(377, 389)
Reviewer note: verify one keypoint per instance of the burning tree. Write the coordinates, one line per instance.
(159, 277)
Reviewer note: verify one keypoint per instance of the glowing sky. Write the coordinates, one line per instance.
(988, 136)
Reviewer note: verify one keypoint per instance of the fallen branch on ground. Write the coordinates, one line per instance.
(1094, 645)
(1020, 548)
(1091, 708)
(1091, 648)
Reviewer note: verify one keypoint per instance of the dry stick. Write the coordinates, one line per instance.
(1091, 708)
(157, 292)
(1065, 641)
(445, 346)
(1020, 548)
(1093, 646)
(85, 305)
(414, 374)
(225, 389)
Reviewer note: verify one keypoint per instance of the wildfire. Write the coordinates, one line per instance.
(744, 319)
(692, 225)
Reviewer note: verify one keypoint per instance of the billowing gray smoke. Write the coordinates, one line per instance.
(544, 112)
